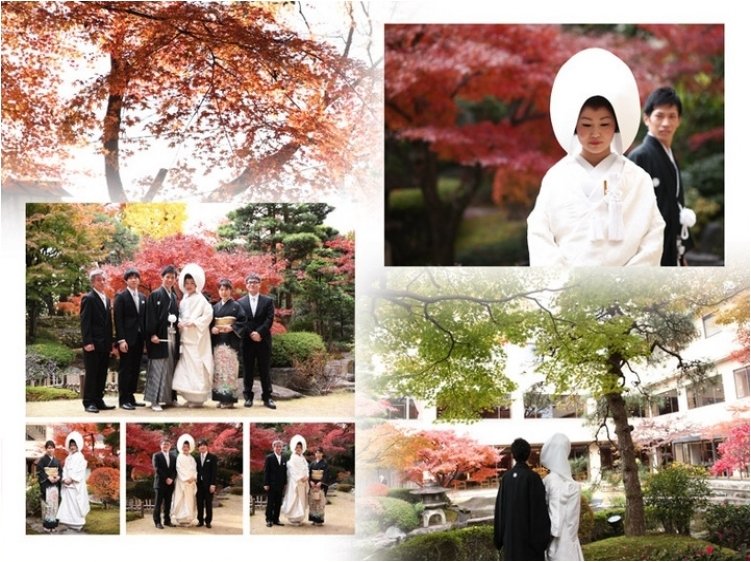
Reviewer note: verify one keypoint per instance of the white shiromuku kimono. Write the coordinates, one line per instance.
(563, 496)
(195, 368)
(74, 497)
(295, 502)
(604, 215)
(184, 509)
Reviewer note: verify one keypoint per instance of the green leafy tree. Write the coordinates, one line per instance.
(675, 493)
(62, 240)
(443, 338)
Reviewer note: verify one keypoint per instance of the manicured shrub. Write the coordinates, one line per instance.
(62, 356)
(295, 346)
(390, 512)
(470, 543)
(656, 547)
(47, 393)
(675, 493)
(728, 525)
(601, 529)
(33, 496)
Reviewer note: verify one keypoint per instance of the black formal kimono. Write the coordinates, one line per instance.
(521, 526)
(206, 471)
(257, 352)
(130, 325)
(163, 355)
(50, 490)
(318, 489)
(163, 471)
(227, 349)
(96, 329)
(275, 477)
(651, 156)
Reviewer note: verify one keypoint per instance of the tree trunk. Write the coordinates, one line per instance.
(33, 316)
(117, 82)
(634, 523)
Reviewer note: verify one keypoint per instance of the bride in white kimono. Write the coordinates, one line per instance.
(563, 496)
(595, 207)
(74, 497)
(295, 502)
(184, 508)
(195, 367)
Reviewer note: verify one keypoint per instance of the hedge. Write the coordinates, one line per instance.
(295, 346)
(656, 547)
(470, 543)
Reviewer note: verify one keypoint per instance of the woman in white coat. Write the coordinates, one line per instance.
(295, 503)
(195, 368)
(564, 500)
(74, 497)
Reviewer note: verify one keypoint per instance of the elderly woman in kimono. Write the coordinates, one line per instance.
(564, 500)
(226, 339)
(74, 500)
(195, 368)
(184, 507)
(595, 207)
(295, 502)
(49, 474)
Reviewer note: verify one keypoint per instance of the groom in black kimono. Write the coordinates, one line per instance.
(256, 341)
(521, 526)
(662, 116)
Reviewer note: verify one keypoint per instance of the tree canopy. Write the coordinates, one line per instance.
(242, 90)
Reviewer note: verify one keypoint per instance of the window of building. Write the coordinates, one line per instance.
(546, 406)
(497, 413)
(402, 409)
(707, 392)
(665, 403)
(637, 406)
(710, 325)
(741, 377)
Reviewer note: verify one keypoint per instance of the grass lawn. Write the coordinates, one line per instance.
(101, 521)
(491, 239)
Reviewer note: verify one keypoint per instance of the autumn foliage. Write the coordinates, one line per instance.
(335, 438)
(444, 454)
(104, 483)
(734, 451)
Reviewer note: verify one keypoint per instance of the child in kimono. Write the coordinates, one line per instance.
(595, 207)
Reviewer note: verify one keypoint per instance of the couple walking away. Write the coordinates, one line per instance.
(536, 519)
(184, 485)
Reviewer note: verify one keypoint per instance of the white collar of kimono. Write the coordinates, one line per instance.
(554, 455)
(594, 72)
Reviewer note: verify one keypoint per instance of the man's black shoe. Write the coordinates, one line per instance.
(127, 406)
(208, 525)
(249, 403)
(92, 409)
(269, 404)
(104, 406)
(268, 523)
(139, 404)
(280, 524)
(159, 525)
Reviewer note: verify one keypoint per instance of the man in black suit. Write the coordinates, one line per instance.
(662, 116)
(130, 314)
(256, 345)
(206, 464)
(165, 472)
(274, 480)
(521, 525)
(96, 333)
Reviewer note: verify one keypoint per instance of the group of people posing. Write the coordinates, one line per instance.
(65, 498)
(597, 207)
(184, 484)
(194, 349)
(535, 518)
(294, 487)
